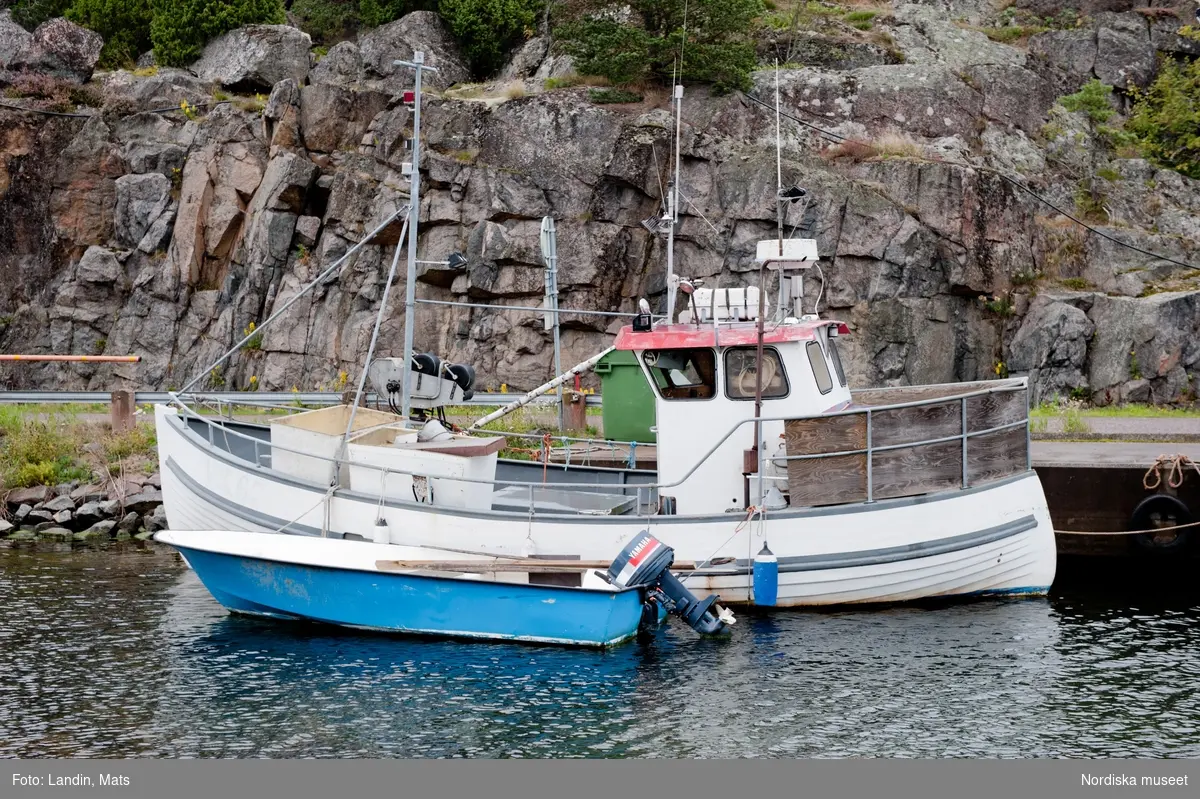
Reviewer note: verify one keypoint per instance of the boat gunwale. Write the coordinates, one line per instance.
(1009, 384)
(158, 537)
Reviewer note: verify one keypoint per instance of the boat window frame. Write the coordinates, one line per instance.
(836, 357)
(653, 372)
(787, 385)
(812, 364)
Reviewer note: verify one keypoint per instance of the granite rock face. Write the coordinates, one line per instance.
(167, 236)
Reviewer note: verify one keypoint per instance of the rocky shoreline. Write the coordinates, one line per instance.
(128, 508)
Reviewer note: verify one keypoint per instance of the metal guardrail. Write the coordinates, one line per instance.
(1015, 384)
(238, 398)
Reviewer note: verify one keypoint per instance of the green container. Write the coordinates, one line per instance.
(627, 403)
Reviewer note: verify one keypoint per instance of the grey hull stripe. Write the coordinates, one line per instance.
(795, 563)
(925, 549)
(196, 441)
(234, 509)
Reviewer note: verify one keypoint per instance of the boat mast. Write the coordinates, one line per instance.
(762, 297)
(410, 287)
(673, 205)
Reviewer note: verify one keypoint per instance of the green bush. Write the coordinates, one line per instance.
(719, 48)
(124, 24)
(326, 20)
(488, 29)
(1166, 118)
(621, 53)
(374, 13)
(31, 13)
(181, 28)
(1092, 100)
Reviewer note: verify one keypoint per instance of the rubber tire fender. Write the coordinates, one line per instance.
(1161, 508)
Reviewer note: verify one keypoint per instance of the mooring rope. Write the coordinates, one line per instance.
(1175, 465)
(1127, 532)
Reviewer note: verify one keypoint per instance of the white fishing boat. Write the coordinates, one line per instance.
(764, 453)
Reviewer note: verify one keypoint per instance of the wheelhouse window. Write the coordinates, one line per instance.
(837, 361)
(683, 374)
(741, 374)
(820, 367)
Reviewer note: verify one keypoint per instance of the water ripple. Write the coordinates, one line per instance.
(123, 654)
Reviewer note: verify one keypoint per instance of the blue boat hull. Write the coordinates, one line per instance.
(418, 604)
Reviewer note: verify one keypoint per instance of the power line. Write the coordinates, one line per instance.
(1018, 184)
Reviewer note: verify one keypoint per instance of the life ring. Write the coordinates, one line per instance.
(1161, 510)
(747, 374)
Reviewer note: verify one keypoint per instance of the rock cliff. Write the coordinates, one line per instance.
(183, 206)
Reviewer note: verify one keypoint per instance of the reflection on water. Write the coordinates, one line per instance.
(122, 653)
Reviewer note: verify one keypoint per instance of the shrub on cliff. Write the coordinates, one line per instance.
(180, 28)
(31, 13)
(326, 21)
(124, 24)
(488, 29)
(647, 42)
(1166, 118)
(374, 13)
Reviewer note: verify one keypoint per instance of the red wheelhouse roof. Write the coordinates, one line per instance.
(677, 337)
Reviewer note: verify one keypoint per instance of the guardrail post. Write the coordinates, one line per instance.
(121, 411)
(575, 411)
(870, 475)
(964, 442)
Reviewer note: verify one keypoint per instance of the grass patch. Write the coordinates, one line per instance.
(1133, 410)
(1012, 33)
(602, 96)
(40, 450)
(1076, 283)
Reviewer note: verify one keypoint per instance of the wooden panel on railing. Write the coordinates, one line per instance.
(923, 469)
(895, 396)
(918, 423)
(827, 481)
(993, 410)
(995, 455)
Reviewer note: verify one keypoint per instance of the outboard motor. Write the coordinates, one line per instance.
(647, 561)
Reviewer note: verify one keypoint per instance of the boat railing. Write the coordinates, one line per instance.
(946, 437)
(810, 456)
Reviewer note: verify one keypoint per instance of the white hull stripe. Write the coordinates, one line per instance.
(794, 563)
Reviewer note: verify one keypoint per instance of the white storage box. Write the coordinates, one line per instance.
(318, 432)
(428, 469)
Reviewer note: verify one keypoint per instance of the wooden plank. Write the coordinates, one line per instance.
(992, 410)
(923, 469)
(563, 579)
(826, 434)
(996, 455)
(531, 565)
(919, 423)
(895, 396)
(827, 481)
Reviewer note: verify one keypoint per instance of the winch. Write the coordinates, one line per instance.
(646, 561)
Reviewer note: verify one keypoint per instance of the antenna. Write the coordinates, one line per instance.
(673, 205)
(778, 163)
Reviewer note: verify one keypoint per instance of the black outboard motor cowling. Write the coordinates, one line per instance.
(647, 561)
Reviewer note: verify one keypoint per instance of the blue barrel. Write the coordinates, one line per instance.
(766, 577)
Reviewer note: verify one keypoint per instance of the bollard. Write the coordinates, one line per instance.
(122, 411)
(576, 411)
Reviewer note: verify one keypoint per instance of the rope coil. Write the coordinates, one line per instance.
(1175, 466)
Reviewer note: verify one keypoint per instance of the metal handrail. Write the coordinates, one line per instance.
(1002, 386)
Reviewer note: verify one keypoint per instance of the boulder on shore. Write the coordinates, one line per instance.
(60, 48)
(255, 56)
